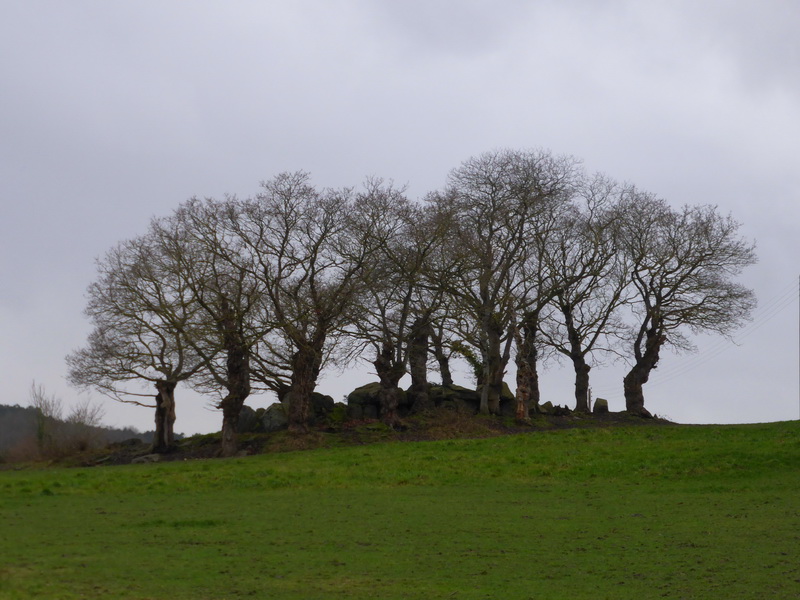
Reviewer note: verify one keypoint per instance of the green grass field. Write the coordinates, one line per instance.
(639, 512)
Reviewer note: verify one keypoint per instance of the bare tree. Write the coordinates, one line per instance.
(308, 260)
(541, 283)
(140, 306)
(397, 301)
(492, 198)
(441, 347)
(230, 317)
(682, 264)
(56, 434)
(590, 282)
(83, 423)
(49, 409)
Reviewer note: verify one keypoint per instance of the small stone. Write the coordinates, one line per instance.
(147, 458)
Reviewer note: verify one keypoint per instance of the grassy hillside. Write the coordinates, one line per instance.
(644, 512)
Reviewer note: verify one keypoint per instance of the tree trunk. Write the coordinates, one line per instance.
(639, 374)
(495, 391)
(237, 370)
(418, 365)
(492, 367)
(533, 373)
(527, 372)
(164, 436)
(523, 397)
(389, 373)
(581, 384)
(578, 357)
(634, 394)
(231, 406)
(306, 364)
(442, 358)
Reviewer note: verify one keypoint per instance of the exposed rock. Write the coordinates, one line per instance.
(147, 458)
(321, 404)
(361, 398)
(355, 412)
(364, 402)
(554, 410)
(366, 394)
(600, 406)
(508, 402)
(275, 418)
(248, 421)
(455, 397)
(451, 392)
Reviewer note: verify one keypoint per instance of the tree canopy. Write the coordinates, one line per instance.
(522, 254)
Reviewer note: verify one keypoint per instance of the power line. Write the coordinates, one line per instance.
(772, 308)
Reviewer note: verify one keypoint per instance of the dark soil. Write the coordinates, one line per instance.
(437, 424)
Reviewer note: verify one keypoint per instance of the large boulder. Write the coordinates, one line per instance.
(321, 405)
(248, 421)
(275, 418)
(455, 397)
(600, 406)
(364, 402)
(355, 412)
(508, 402)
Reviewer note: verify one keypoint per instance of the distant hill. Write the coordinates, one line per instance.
(18, 429)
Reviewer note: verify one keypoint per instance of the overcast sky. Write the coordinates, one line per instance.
(113, 112)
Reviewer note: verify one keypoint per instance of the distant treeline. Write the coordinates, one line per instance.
(21, 430)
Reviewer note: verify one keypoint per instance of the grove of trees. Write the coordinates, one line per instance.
(522, 255)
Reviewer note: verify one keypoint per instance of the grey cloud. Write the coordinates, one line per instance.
(114, 112)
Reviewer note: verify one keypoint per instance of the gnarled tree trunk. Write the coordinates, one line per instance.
(492, 367)
(389, 373)
(528, 395)
(527, 376)
(237, 371)
(581, 384)
(306, 365)
(418, 365)
(164, 436)
(231, 406)
(639, 374)
(634, 394)
(441, 358)
(578, 358)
